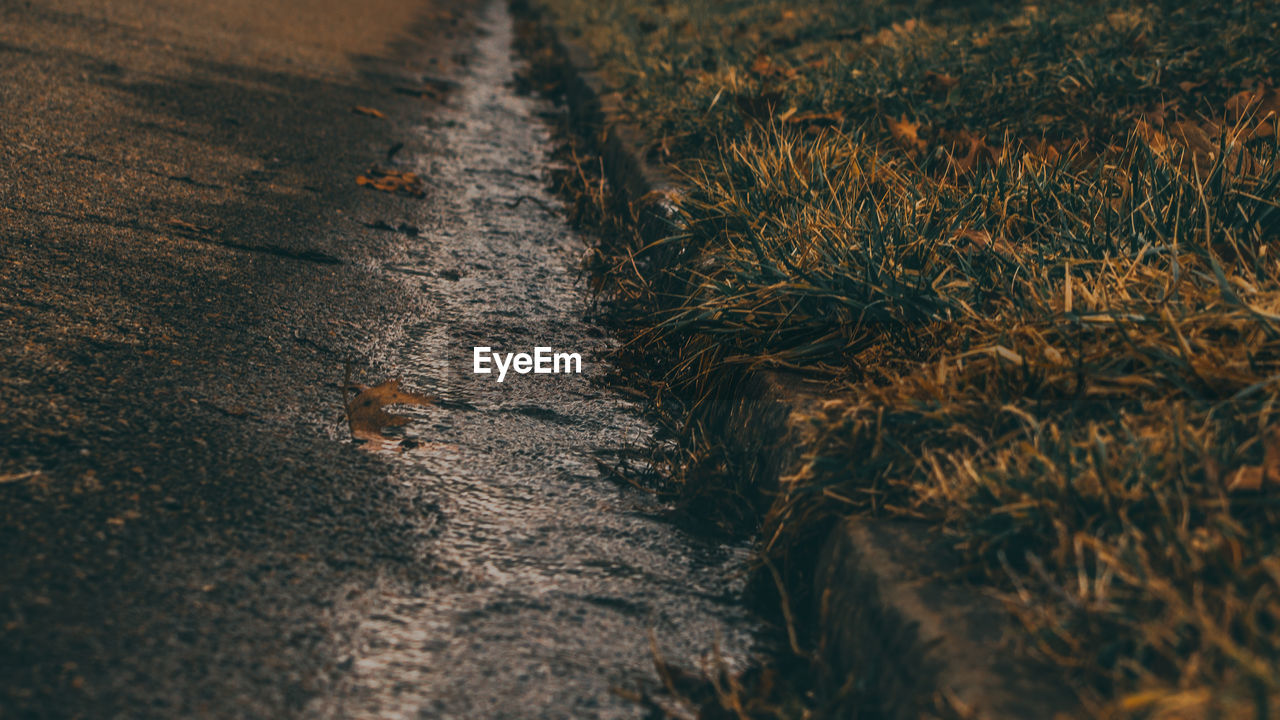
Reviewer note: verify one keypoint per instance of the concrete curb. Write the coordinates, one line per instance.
(643, 186)
(890, 634)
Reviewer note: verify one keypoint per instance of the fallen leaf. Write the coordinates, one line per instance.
(971, 240)
(393, 181)
(1159, 113)
(1041, 155)
(907, 134)
(1171, 141)
(892, 35)
(765, 67)
(1199, 138)
(1262, 102)
(1128, 20)
(371, 112)
(366, 412)
(816, 119)
(939, 82)
(1254, 112)
(976, 150)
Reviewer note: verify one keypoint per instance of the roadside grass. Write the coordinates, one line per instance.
(1034, 247)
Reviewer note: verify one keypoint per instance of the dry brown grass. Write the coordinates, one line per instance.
(1036, 246)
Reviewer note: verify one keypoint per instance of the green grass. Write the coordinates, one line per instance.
(1035, 246)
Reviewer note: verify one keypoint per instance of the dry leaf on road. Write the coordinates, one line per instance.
(393, 181)
(366, 412)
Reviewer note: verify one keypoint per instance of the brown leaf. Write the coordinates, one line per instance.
(1254, 112)
(1201, 139)
(1129, 19)
(371, 112)
(817, 119)
(1159, 113)
(971, 240)
(1261, 102)
(939, 82)
(892, 35)
(766, 68)
(1041, 155)
(393, 181)
(976, 150)
(366, 412)
(907, 134)
(1186, 142)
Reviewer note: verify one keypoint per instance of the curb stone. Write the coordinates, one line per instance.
(890, 632)
(645, 187)
(909, 641)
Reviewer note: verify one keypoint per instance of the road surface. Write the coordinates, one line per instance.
(187, 268)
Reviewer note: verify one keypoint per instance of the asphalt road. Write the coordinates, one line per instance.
(187, 266)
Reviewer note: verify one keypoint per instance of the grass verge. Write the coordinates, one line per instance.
(1033, 248)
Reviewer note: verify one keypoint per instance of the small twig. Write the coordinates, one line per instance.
(540, 203)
